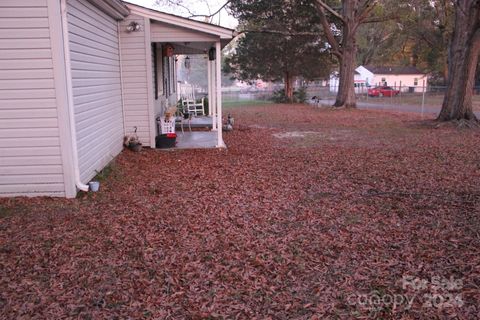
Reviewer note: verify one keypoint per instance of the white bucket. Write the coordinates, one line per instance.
(94, 186)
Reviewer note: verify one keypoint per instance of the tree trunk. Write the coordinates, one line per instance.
(288, 87)
(463, 58)
(346, 87)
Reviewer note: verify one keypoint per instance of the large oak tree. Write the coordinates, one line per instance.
(463, 60)
(340, 25)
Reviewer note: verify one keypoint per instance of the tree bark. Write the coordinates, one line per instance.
(288, 87)
(463, 59)
(346, 87)
(354, 13)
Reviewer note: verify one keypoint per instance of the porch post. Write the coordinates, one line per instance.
(209, 80)
(214, 96)
(218, 81)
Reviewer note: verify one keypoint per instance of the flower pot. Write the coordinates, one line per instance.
(135, 147)
(94, 186)
(166, 140)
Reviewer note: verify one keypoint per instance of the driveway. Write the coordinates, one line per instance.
(362, 104)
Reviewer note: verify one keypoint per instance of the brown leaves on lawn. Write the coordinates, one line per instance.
(308, 214)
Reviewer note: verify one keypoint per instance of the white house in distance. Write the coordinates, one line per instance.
(406, 79)
(76, 76)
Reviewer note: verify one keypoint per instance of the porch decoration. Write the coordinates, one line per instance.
(168, 50)
(167, 140)
(166, 124)
(132, 141)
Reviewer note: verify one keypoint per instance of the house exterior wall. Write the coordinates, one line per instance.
(135, 78)
(360, 84)
(30, 141)
(96, 86)
(365, 75)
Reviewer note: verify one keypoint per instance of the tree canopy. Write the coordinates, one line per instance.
(282, 40)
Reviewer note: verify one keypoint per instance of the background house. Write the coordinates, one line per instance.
(360, 82)
(406, 79)
(76, 76)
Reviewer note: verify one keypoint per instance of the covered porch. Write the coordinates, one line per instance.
(168, 44)
(151, 43)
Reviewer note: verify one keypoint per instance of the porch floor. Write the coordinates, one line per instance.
(196, 122)
(196, 139)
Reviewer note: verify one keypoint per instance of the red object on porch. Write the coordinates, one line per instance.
(168, 50)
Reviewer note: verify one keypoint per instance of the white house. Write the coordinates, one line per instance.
(359, 82)
(78, 75)
(406, 79)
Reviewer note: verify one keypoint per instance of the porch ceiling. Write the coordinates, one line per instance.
(200, 47)
(192, 47)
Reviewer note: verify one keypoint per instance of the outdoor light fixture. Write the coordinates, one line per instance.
(211, 54)
(133, 26)
(187, 62)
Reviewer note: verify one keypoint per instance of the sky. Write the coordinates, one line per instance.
(196, 7)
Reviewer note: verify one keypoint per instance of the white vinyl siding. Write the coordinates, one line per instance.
(96, 82)
(135, 79)
(30, 155)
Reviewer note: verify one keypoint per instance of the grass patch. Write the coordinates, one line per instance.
(110, 171)
(233, 104)
(5, 212)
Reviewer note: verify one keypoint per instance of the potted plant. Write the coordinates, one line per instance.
(132, 142)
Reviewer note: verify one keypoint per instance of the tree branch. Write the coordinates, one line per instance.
(328, 30)
(380, 19)
(285, 33)
(367, 8)
(210, 15)
(179, 3)
(329, 9)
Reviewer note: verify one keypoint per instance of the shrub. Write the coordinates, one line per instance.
(299, 96)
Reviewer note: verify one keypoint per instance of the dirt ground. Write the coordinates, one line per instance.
(309, 214)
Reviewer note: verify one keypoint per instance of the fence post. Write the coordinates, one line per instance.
(400, 91)
(423, 98)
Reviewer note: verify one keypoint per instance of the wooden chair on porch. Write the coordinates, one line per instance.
(190, 104)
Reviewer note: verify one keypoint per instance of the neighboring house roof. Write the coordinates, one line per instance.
(222, 32)
(393, 70)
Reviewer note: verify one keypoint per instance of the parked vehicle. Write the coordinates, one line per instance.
(384, 91)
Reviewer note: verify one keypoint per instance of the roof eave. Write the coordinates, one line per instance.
(114, 8)
(222, 32)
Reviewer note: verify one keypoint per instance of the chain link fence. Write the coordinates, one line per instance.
(410, 99)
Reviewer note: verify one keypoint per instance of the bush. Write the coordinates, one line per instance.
(299, 96)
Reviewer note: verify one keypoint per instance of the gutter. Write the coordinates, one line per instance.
(114, 8)
(71, 111)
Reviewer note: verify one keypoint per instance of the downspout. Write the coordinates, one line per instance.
(120, 61)
(71, 111)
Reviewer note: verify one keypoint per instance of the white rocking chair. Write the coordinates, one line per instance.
(190, 104)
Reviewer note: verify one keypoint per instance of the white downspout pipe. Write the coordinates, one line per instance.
(71, 111)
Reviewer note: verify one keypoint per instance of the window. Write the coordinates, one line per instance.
(415, 82)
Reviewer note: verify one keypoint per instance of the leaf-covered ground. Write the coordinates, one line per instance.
(309, 214)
